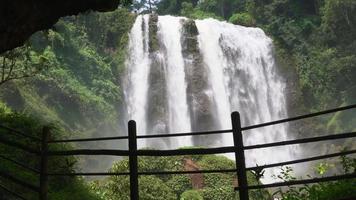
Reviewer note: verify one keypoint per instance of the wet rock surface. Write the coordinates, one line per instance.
(201, 104)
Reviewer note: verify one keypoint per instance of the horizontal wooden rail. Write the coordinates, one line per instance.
(304, 140)
(174, 152)
(89, 139)
(91, 174)
(15, 194)
(189, 172)
(133, 153)
(178, 152)
(299, 117)
(205, 171)
(89, 152)
(144, 173)
(141, 136)
(18, 146)
(343, 153)
(20, 164)
(19, 133)
(200, 132)
(184, 134)
(18, 181)
(301, 182)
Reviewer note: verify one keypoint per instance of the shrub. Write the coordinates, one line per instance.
(191, 195)
(243, 19)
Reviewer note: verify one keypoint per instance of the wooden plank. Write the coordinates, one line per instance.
(304, 140)
(299, 117)
(103, 152)
(177, 152)
(89, 139)
(303, 160)
(239, 156)
(184, 134)
(44, 164)
(91, 174)
(134, 191)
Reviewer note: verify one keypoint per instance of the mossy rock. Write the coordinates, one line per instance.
(153, 29)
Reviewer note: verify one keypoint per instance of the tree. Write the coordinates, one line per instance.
(173, 7)
(223, 8)
(339, 20)
(21, 63)
(145, 6)
(244, 19)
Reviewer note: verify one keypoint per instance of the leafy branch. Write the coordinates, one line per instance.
(21, 63)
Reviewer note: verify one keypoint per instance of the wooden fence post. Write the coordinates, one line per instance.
(134, 193)
(44, 164)
(239, 156)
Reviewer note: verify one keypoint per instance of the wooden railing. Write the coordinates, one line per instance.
(133, 153)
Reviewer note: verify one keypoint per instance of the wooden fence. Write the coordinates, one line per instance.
(133, 153)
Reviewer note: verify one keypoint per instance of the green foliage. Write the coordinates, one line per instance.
(77, 189)
(22, 62)
(179, 184)
(317, 39)
(59, 187)
(191, 195)
(220, 193)
(195, 13)
(216, 186)
(172, 7)
(320, 191)
(80, 88)
(222, 8)
(82, 59)
(243, 19)
(339, 21)
(151, 187)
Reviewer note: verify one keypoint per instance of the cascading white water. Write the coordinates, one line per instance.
(243, 74)
(179, 121)
(182, 86)
(136, 79)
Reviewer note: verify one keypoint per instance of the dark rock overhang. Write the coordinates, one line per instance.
(19, 19)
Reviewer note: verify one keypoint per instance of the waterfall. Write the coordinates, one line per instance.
(188, 75)
(179, 120)
(136, 77)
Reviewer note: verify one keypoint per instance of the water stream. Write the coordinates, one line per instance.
(198, 73)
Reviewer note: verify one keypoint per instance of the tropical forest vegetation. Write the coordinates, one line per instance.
(69, 78)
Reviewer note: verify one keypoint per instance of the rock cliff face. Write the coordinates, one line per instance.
(19, 19)
(201, 105)
(157, 104)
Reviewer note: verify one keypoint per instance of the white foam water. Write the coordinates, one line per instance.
(242, 76)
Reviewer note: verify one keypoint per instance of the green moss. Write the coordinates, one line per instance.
(153, 29)
(190, 46)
